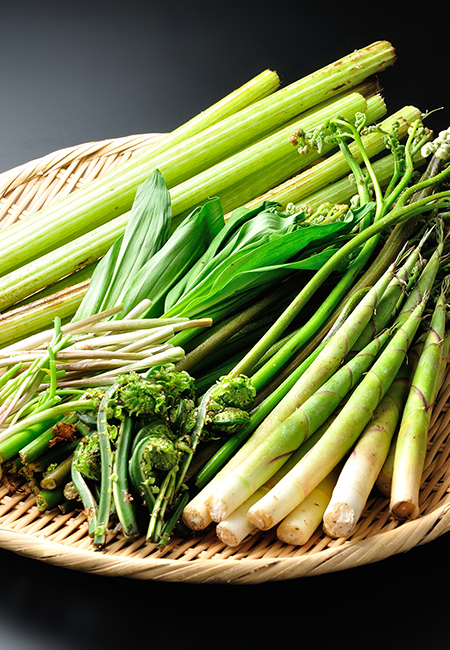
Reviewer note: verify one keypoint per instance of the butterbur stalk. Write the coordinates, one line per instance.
(411, 444)
(342, 433)
(113, 193)
(186, 151)
(315, 185)
(271, 150)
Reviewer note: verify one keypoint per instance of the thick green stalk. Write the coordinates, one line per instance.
(33, 317)
(113, 193)
(54, 456)
(268, 151)
(314, 184)
(272, 151)
(341, 435)
(343, 190)
(54, 265)
(106, 197)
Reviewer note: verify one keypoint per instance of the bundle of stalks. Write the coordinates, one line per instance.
(278, 213)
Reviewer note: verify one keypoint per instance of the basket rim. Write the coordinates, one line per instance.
(23, 173)
(350, 554)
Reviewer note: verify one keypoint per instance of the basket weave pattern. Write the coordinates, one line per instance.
(62, 539)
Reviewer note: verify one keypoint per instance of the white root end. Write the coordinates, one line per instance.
(235, 528)
(233, 531)
(196, 516)
(339, 520)
(217, 508)
(404, 510)
(231, 493)
(272, 508)
(300, 524)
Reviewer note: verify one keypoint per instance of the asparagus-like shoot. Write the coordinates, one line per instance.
(314, 397)
(357, 477)
(236, 527)
(411, 444)
(342, 433)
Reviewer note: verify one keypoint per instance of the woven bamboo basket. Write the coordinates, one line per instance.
(62, 539)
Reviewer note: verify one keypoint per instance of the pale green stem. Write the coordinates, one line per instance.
(342, 433)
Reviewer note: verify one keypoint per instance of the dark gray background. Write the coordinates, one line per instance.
(71, 72)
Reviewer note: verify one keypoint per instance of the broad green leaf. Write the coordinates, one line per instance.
(98, 284)
(244, 226)
(146, 231)
(259, 262)
(183, 248)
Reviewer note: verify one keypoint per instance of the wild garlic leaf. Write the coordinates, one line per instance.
(183, 248)
(146, 231)
(245, 226)
(273, 254)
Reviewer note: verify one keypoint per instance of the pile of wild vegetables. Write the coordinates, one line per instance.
(262, 292)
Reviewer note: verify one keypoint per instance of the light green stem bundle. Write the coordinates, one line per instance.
(342, 433)
(302, 414)
(211, 136)
(329, 180)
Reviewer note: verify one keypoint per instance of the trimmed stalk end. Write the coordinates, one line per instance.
(196, 516)
(339, 520)
(405, 510)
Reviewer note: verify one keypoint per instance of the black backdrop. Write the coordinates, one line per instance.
(80, 71)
